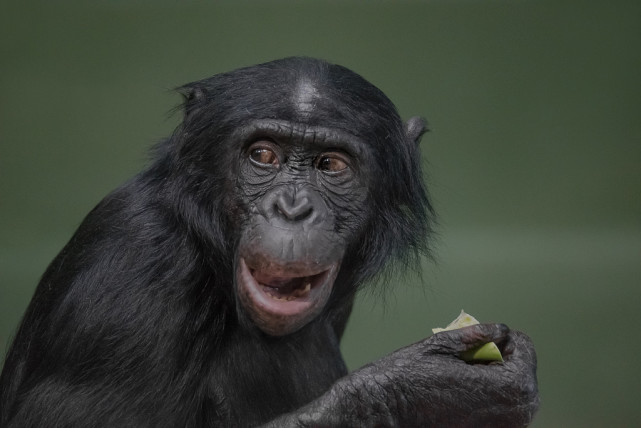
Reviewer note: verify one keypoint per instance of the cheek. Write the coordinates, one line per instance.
(251, 188)
(351, 209)
(247, 188)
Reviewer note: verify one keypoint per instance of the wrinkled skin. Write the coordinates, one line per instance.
(214, 287)
(446, 391)
(299, 186)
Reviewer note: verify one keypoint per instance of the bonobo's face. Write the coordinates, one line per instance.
(316, 180)
(303, 194)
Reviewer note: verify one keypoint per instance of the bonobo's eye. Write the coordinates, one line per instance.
(332, 163)
(263, 153)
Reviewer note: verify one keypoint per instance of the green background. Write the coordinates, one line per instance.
(534, 159)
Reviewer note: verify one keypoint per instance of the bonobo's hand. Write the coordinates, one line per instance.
(427, 384)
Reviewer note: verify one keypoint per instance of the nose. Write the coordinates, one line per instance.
(294, 207)
(290, 206)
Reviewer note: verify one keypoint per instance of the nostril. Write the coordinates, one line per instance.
(297, 209)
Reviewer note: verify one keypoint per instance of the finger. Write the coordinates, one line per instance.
(518, 348)
(520, 364)
(462, 339)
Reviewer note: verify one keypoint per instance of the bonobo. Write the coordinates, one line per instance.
(213, 288)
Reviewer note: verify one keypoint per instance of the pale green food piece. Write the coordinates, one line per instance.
(486, 352)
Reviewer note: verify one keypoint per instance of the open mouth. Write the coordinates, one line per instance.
(287, 288)
(281, 299)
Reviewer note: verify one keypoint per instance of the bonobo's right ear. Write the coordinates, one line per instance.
(415, 127)
(194, 95)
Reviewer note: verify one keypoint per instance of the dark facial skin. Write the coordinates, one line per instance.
(304, 192)
(213, 288)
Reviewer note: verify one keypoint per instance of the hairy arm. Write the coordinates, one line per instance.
(426, 384)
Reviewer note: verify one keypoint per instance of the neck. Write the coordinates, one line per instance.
(275, 375)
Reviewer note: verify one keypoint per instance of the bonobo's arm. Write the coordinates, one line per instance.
(426, 385)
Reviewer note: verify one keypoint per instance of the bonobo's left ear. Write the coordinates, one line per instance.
(415, 127)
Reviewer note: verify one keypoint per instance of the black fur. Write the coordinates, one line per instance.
(137, 321)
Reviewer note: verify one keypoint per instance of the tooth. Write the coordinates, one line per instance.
(308, 287)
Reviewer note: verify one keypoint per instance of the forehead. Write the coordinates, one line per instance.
(300, 91)
(305, 97)
(318, 102)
